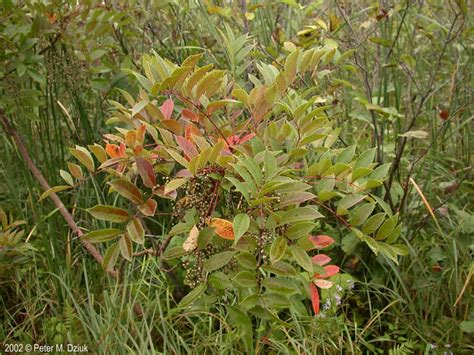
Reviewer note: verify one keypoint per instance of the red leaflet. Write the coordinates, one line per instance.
(330, 270)
(188, 148)
(246, 138)
(167, 108)
(190, 115)
(145, 169)
(233, 140)
(444, 114)
(321, 259)
(148, 208)
(236, 140)
(314, 297)
(321, 241)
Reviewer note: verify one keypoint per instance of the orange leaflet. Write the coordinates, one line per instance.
(138, 150)
(223, 228)
(191, 130)
(52, 18)
(115, 151)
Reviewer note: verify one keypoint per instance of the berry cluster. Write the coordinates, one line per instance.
(265, 238)
(194, 269)
(197, 193)
(194, 264)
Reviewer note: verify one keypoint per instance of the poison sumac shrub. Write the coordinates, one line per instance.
(249, 177)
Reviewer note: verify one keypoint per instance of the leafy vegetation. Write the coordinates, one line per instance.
(237, 176)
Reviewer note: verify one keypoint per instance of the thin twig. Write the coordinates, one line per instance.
(146, 252)
(399, 30)
(183, 98)
(424, 98)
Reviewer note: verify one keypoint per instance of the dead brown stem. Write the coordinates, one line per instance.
(10, 130)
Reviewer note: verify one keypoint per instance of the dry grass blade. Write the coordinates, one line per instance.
(426, 203)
